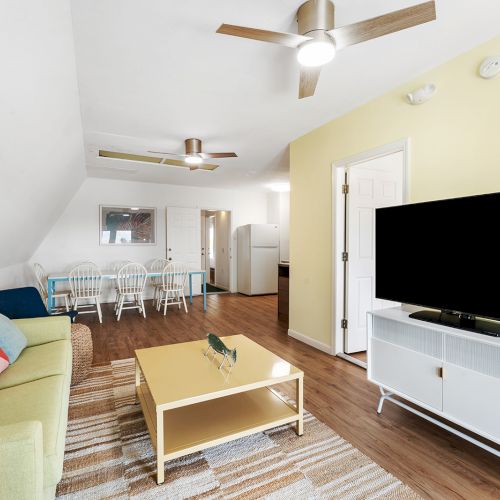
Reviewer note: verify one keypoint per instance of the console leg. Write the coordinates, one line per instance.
(383, 396)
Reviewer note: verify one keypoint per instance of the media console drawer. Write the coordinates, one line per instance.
(412, 373)
(480, 409)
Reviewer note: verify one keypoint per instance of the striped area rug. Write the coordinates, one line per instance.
(109, 455)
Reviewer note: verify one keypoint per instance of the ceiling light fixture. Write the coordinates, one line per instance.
(317, 52)
(193, 160)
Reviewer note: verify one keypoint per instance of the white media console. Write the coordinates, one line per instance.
(450, 372)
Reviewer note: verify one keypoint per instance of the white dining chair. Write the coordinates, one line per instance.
(85, 281)
(131, 281)
(157, 267)
(174, 279)
(42, 280)
(115, 268)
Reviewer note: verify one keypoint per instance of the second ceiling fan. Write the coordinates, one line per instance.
(318, 39)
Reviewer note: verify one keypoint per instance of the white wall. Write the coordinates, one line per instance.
(16, 275)
(278, 212)
(75, 236)
(41, 141)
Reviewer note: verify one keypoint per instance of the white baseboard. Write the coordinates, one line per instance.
(309, 341)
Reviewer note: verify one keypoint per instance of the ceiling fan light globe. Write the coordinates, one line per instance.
(314, 53)
(193, 160)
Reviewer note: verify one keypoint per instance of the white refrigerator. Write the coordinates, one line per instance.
(258, 258)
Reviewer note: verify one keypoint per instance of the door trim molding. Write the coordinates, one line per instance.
(230, 240)
(338, 169)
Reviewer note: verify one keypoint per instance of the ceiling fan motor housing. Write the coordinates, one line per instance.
(193, 146)
(316, 15)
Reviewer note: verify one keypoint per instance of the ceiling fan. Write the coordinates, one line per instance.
(318, 39)
(193, 159)
(194, 156)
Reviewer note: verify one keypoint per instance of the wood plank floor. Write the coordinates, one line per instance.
(432, 461)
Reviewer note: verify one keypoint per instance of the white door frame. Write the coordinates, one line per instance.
(231, 289)
(338, 173)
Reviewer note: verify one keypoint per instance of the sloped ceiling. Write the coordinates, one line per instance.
(41, 142)
(152, 73)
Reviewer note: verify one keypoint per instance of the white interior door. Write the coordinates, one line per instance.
(374, 183)
(184, 239)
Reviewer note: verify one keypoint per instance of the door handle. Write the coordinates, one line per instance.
(170, 258)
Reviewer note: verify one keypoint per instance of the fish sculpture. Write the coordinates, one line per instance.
(216, 344)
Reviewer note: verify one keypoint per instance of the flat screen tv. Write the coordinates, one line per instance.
(443, 255)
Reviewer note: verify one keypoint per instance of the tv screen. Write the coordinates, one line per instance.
(441, 254)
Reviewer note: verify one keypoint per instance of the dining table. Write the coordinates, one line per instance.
(54, 278)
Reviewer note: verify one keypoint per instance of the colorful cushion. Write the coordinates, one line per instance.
(12, 340)
(4, 360)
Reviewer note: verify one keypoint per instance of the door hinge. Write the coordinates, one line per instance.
(345, 256)
(343, 323)
(345, 188)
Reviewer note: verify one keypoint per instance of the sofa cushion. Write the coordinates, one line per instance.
(45, 360)
(45, 400)
(12, 340)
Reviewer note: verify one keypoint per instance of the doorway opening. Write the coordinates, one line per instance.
(216, 249)
(374, 179)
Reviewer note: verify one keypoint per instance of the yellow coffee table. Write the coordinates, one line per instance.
(189, 404)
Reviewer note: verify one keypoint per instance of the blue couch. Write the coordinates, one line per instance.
(25, 302)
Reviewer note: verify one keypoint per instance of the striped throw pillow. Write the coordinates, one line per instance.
(4, 360)
(12, 340)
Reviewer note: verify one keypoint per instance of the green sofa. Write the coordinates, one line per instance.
(34, 398)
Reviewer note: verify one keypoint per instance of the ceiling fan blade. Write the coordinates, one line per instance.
(128, 156)
(218, 155)
(308, 80)
(288, 39)
(175, 163)
(169, 154)
(384, 25)
(203, 166)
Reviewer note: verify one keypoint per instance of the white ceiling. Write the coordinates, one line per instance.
(154, 72)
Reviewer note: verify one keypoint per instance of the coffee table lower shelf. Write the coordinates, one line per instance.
(195, 427)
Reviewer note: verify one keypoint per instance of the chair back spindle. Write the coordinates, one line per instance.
(158, 266)
(85, 281)
(41, 278)
(132, 279)
(175, 276)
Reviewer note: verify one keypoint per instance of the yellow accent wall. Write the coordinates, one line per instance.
(454, 151)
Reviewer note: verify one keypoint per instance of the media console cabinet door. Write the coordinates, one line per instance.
(472, 398)
(408, 372)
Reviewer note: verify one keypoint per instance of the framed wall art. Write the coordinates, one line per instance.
(119, 225)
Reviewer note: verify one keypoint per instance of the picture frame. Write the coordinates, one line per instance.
(121, 225)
